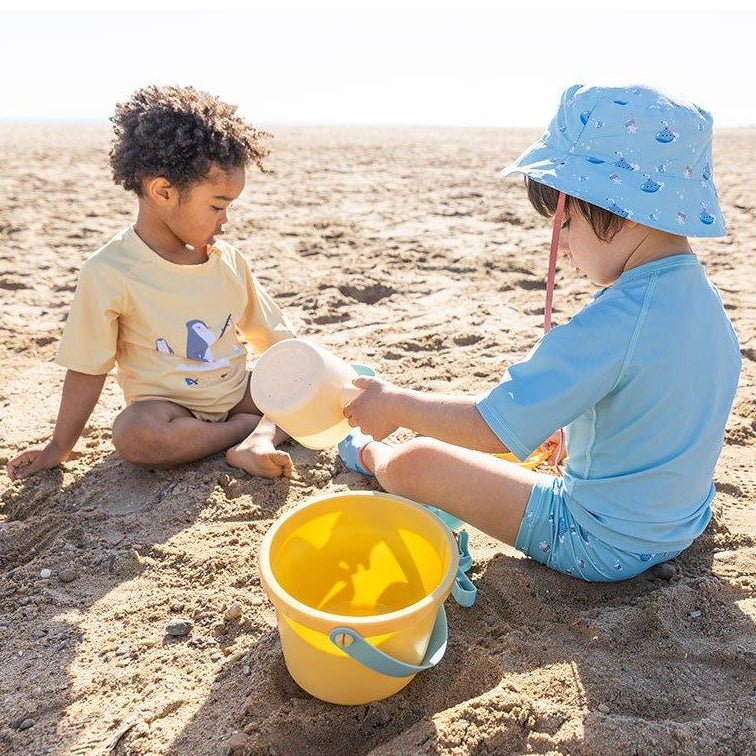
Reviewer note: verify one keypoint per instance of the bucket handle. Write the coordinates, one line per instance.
(463, 546)
(464, 590)
(356, 647)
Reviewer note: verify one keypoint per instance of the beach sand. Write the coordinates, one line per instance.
(404, 250)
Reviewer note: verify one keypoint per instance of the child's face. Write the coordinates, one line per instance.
(198, 217)
(602, 262)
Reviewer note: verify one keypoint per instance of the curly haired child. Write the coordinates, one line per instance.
(642, 378)
(166, 299)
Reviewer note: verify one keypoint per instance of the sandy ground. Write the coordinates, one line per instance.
(404, 250)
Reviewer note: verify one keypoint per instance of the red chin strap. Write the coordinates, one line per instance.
(556, 230)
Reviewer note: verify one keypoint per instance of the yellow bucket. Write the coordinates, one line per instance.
(358, 580)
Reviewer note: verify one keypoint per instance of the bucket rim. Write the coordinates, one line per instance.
(318, 619)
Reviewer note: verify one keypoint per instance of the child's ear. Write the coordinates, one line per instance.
(159, 190)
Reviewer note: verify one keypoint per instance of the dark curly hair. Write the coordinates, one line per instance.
(180, 133)
(604, 223)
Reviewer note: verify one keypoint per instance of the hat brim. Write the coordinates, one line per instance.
(681, 206)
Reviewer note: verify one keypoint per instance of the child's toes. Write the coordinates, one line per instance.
(283, 461)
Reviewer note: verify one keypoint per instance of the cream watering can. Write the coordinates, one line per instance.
(303, 389)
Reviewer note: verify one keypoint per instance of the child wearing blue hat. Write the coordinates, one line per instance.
(642, 379)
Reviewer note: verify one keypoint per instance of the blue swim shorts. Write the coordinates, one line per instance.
(549, 534)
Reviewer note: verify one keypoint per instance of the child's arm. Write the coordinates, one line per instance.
(80, 394)
(382, 408)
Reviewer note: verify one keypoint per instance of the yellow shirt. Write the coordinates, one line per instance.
(172, 330)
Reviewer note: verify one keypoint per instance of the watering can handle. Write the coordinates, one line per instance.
(349, 392)
(355, 646)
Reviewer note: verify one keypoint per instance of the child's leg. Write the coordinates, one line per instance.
(163, 434)
(478, 488)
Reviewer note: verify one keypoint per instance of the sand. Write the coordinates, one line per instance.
(404, 250)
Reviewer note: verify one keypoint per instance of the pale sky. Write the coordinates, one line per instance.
(469, 63)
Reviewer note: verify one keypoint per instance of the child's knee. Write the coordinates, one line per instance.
(407, 461)
(137, 440)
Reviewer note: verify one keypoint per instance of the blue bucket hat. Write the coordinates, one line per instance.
(633, 151)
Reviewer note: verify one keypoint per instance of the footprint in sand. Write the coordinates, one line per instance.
(367, 292)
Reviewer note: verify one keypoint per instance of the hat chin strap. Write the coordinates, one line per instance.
(556, 230)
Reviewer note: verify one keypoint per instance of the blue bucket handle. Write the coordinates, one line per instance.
(356, 647)
(464, 591)
(463, 546)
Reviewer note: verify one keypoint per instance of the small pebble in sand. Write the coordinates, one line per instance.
(26, 724)
(68, 576)
(695, 614)
(725, 556)
(179, 627)
(603, 708)
(233, 612)
(44, 574)
(246, 670)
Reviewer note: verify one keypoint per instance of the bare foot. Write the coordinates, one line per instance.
(260, 458)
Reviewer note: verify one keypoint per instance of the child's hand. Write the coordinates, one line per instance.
(373, 409)
(261, 459)
(34, 460)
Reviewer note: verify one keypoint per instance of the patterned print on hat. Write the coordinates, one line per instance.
(634, 151)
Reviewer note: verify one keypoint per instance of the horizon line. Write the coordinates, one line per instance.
(84, 121)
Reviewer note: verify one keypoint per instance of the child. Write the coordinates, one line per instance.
(643, 377)
(164, 298)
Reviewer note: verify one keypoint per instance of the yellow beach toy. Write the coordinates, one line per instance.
(358, 580)
(553, 450)
(539, 456)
